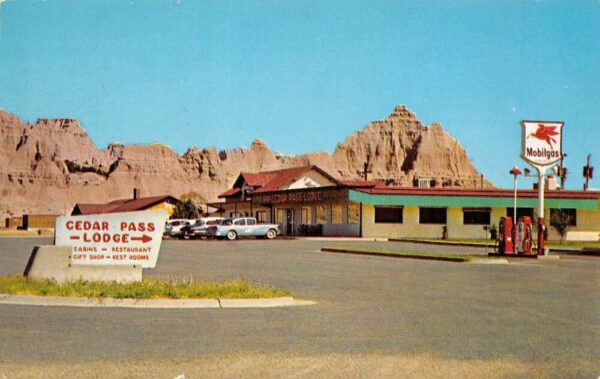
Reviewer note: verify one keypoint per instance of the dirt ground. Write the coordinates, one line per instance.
(282, 366)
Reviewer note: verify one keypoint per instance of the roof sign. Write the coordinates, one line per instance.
(131, 238)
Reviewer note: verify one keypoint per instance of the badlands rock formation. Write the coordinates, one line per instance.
(47, 167)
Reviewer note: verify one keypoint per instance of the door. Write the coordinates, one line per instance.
(289, 218)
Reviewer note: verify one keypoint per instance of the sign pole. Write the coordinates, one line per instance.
(541, 224)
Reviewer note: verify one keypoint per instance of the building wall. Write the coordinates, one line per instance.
(587, 228)
(14, 222)
(243, 208)
(164, 206)
(587, 221)
(409, 228)
(39, 221)
(312, 177)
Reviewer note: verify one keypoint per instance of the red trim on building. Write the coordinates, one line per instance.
(478, 192)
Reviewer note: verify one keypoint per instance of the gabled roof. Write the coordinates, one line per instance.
(268, 181)
(286, 176)
(123, 205)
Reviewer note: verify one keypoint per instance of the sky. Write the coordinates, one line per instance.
(303, 75)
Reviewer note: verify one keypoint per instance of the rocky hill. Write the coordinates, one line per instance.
(49, 166)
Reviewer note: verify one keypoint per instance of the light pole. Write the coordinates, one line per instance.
(515, 172)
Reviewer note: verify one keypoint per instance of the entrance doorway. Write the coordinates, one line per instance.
(289, 224)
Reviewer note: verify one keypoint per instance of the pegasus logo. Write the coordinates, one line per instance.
(545, 133)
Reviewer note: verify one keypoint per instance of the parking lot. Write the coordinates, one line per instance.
(546, 313)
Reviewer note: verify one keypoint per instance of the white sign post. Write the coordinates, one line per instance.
(541, 147)
(131, 238)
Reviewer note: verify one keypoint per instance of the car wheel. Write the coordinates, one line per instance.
(271, 233)
(231, 235)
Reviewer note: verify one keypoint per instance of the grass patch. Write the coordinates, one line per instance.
(402, 254)
(146, 289)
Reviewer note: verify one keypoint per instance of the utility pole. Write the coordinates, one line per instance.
(562, 171)
(367, 168)
(588, 173)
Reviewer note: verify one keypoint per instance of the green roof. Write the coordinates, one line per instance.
(468, 201)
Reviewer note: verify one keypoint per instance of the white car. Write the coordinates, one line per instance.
(173, 227)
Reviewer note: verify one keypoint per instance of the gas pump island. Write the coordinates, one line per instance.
(541, 147)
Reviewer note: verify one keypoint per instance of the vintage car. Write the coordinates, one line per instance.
(173, 227)
(232, 228)
(198, 228)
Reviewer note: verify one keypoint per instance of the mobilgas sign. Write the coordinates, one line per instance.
(302, 196)
(541, 142)
(131, 238)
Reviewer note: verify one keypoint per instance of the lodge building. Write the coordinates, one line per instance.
(309, 201)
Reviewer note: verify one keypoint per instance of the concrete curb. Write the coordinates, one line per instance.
(476, 260)
(585, 251)
(58, 301)
(443, 243)
(334, 239)
(523, 256)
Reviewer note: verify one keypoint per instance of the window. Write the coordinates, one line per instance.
(336, 214)
(476, 216)
(251, 221)
(520, 212)
(321, 214)
(423, 183)
(389, 215)
(432, 215)
(261, 217)
(240, 222)
(353, 213)
(279, 215)
(570, 213)
(306, 215)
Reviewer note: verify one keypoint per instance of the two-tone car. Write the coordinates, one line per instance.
(233, 228)
(199, 228)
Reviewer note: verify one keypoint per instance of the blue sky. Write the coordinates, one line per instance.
(303, 75)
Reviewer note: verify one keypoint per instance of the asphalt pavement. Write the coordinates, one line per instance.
(535, 311)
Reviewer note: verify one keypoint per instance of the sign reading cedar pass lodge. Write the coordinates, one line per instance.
(541, 142)
(131, 238)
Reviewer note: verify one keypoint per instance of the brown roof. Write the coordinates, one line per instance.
(230, 192)
(268, 181)
(123, 205)
(280, 178)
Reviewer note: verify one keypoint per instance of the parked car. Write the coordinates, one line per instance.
(232, 228)
(173, 227)
(198, 228)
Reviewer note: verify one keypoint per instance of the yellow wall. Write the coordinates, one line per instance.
(587, 221)
(164, 206)
(409, 228)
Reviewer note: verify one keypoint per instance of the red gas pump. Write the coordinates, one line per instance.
(505, 238)
(524, 235)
